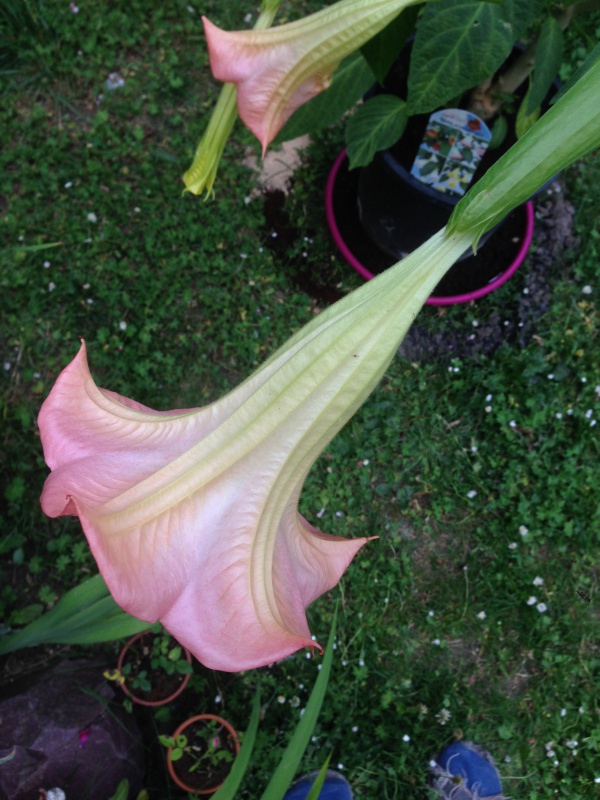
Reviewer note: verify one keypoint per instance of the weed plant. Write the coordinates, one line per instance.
(475, 613)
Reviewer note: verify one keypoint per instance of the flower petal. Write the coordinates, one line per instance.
(279, 69)
(192, 514)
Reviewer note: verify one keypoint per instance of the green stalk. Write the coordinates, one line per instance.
(565, 133)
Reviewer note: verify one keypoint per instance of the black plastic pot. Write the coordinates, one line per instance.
(397, 210)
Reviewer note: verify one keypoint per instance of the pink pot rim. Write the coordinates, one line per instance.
(432, 300)
(152, 703)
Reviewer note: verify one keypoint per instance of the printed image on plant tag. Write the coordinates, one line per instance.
(454, 143)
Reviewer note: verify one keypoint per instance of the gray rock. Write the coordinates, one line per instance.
(58, 732)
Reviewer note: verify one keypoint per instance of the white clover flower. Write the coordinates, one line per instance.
(47, 264)
(558, 415)
(406, 738)
(512, 424)
(443, 716)
(541, 607)
(488, 397)
(481, 615)
(537, 581)
(123, 325)
(295, 702)
(532, 601)
(512, 546)
(51, 286)
(472, 493)
(550, 753)
(431, 613)
(572, 743)
(91, 217)
(354, 728)
(68, 184)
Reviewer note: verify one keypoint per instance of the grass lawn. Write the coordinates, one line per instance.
(475, 613)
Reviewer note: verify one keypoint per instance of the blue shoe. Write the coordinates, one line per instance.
(336, 787)
(465, 771)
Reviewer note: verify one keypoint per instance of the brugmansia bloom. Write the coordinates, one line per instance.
(277, 70)
(192, 515)
(200, 177)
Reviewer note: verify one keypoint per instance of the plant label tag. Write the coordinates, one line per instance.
(454, 143)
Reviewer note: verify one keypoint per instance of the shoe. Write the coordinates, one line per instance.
(465, 771)
(336, 787)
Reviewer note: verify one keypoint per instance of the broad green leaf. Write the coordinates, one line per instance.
(565, 133)
(460, 43)
(350, 82)
(240, 765)
(376, 125)
(86, 614)
(548, 58)
(284, 774)
(382, 50)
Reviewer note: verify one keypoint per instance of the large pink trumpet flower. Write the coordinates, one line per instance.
(192, 515)
(276, 70)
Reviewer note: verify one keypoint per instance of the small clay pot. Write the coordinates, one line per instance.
(207, 780)
(164, 687)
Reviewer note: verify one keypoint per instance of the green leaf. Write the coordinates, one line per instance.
(86, 614)
(350, 82)
(499, 131)
(525, 121)
(376, 125)
(122, 792)
(548, 58)
(382, 50)
(315, 789)
(27, 614)
(229, 789)
(564, 134)
(284, 774)
(459, 44)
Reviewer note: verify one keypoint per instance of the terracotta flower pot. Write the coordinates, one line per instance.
(164, 687)
(208, 777)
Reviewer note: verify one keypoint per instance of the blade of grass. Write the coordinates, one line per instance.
(284, 774)
(315, 789)
(233, 780)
